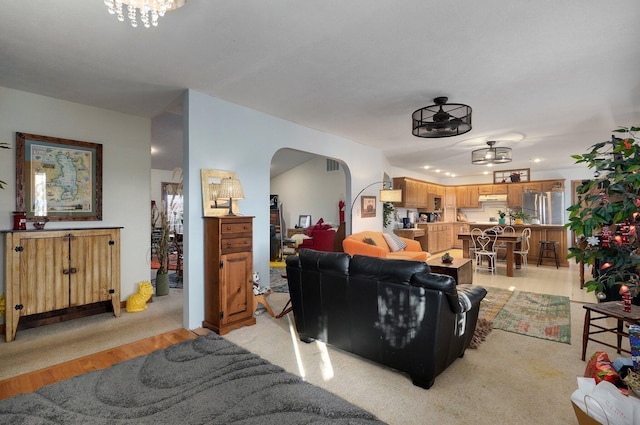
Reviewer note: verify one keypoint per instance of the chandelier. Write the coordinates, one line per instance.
(491, 155)
(150, 10)
(442, 119)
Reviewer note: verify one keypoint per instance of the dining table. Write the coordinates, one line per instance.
(513, 242)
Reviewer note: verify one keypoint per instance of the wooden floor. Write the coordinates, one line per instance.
(33, 380)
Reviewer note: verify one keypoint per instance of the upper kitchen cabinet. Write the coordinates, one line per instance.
(552, 185)
(514, 195)
(467, 197)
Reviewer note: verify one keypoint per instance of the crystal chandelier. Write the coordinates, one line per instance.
(150, 10)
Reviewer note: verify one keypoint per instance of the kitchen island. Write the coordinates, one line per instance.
(539, 232)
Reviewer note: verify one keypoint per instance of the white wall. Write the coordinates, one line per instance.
(126, 144)
(223, 136)
(310, 189)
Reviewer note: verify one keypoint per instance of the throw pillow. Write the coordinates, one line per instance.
(395, 243)
(370, 241)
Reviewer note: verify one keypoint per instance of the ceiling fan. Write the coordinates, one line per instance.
(442, 119)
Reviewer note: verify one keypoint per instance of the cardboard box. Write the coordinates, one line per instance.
(583, 418)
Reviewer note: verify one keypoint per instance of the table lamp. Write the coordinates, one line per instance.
(230, 189)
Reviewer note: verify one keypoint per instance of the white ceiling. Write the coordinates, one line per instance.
(547, 78)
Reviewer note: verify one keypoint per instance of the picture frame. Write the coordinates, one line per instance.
(56, 178)
(368, 206)
(304, 221)
(215, 207)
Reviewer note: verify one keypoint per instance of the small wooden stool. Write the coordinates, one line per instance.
(548, 247)
(262, 299)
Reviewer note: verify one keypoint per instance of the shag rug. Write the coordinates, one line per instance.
(527, 313)
(207, 380)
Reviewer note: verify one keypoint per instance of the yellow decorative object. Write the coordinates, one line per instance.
(138, 302)
(3, 305)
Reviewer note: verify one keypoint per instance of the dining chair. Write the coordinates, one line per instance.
(524, 248)
(472, 245)
(502, 246)
(485, 248)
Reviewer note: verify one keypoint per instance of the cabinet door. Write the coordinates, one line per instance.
(499, 189)
(552, 185)
(44, 278)
(461, 197)
(485, 189)
(450, 197)
(237, 287)
(472, 197)
(90, 266)
(514, 195)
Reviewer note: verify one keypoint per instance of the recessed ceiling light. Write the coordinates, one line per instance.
(426, 167)
(485, 173)
(438, 170)
(453, 175)
(447, 173)
(537, 160)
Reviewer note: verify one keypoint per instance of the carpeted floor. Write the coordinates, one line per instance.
(206, 380)
(537, 315)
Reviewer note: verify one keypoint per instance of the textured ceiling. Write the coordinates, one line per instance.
(547, 78)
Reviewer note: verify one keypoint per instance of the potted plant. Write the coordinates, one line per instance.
(520, 216)
(605, 216)
(387, 212)
(161, 228)
(502, 219)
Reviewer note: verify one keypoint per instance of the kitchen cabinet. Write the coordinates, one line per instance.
(531, 187)
(49, 270)
(552, 185)
(467, 196)
(456, 230)
(450, 197)
(438, 237)
(228, 273)
(514, 195)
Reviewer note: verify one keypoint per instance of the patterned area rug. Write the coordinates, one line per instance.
(537, 315)
(207, 380)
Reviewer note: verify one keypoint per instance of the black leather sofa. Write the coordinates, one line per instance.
(393, 312)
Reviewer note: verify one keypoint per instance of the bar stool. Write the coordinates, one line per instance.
(548, 249)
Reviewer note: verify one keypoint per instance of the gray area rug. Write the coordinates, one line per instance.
(276, 281)
(208, 380)
(175, 281)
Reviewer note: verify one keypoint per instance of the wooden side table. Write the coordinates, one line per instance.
(610, 309)
(460, 269)
(262, 299)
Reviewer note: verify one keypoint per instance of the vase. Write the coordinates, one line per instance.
(502, 221)
(162, 284)
(519, 221)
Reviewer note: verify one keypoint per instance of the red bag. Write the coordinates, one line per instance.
(600, 368)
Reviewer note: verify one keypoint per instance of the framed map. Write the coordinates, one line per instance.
(58, 178)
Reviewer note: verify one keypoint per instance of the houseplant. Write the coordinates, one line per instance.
(502, 219)
(519, 216)
(161, 227)
(605, 216)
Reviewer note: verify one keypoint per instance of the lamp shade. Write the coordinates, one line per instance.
(230, 189)
(391, 195)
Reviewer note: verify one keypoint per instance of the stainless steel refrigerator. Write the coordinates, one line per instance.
(547, 206)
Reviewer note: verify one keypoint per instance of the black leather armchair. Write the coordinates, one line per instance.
(394, 312)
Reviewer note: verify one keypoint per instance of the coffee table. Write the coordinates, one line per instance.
(460, 269)
(610, 309)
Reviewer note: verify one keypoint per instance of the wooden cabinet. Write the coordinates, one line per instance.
(438, 237)
(552, 185)
(450, 197)
(514, 195)
(228, 273)
(49, 270)
(456, 230)
(467, 196)
(500, 189)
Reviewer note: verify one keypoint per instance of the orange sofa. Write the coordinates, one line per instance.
(355, 244)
